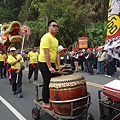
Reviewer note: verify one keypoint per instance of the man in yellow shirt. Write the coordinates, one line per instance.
(2, 58)
(48, 56)
(16, 61)
(33, 57)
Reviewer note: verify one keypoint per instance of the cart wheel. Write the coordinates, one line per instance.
(91, 117)
(35, 114)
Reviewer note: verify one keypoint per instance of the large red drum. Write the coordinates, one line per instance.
(68, 87)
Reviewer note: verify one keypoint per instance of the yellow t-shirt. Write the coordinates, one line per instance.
(50, 42)
(2, 57)
(33, 56)
(12, 59)
(8, 54)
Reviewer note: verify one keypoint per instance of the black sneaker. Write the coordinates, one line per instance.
(14, 93)
(97, 73)
(20, 95)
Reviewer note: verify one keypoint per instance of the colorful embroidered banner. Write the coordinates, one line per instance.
(112, 44)
(83, 42)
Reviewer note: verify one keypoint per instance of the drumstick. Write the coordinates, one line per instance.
(62, 73)
(64, 67)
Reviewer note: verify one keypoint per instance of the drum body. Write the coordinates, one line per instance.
(68, 87)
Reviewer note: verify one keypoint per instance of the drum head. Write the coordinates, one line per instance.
(66, 81)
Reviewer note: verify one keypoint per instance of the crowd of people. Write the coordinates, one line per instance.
(48, 62)
(89, 59)
(52, 57)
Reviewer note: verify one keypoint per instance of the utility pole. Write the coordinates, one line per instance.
(46, 16)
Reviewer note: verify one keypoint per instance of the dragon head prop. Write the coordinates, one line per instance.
(13, 32)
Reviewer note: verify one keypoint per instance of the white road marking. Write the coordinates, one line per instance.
(12, 109)
(94, 84)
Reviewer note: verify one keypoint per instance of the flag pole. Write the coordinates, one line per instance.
(23, 41)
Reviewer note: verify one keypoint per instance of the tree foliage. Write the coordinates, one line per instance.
(9, 10)
(97, 34)
(76, 18)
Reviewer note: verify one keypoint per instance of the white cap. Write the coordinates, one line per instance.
(12, 49)
(61, 48)
(83, 50)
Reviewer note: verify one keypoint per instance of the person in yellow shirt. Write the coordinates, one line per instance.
(2, 58)
(47, 58)
(33, 65)
(16, 61)
(5, 64)
(8, 65)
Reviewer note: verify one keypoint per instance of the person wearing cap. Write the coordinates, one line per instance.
(33, 66)
(5, 64)
(81, 59)
(109, 65)
(101, 56)
(90, 58)
(61, 54)
(75, 59)
(72, 58)
(61, 50)
(8, 65)
(2, 59)
(16, 61)
(49, 55)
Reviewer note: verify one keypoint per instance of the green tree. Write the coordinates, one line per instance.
(76, 18)
(97, 34)
(9, 10)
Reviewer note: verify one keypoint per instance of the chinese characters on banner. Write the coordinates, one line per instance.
(83, 42)
(112, 44)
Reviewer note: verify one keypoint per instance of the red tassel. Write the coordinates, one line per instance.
(33, 66)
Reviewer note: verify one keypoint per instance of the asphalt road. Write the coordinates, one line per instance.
(14, 108)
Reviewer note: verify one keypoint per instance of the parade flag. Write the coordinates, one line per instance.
(112, 44)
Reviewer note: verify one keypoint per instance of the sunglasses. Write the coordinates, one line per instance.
(55, 26)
